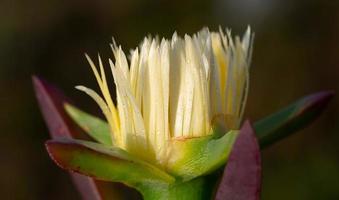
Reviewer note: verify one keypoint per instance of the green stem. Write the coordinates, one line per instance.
(197, 189)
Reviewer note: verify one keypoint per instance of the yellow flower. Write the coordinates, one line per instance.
(177, 88)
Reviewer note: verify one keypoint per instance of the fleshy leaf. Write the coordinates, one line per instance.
(105, 163)
(95, 127)
(189, 158)
(242, 175)
(292, 118)
(51, 101)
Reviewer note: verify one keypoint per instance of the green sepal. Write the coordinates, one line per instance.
(105, 163)
(192, 157)
(95, 127)
(292, 118)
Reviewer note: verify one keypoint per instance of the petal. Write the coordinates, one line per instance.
(114, 118)
(103, 106)
(133, 137)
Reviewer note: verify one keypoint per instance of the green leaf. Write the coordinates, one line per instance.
(51, 101)
(193, 157)
(97, 128)
(105, 163)
(292, 118)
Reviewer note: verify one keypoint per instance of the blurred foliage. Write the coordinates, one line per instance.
(296, 52)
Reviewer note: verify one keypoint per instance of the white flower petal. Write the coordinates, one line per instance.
(175, 89)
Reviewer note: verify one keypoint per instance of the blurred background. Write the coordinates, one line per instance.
(296, 52)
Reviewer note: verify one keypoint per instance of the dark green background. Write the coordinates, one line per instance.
(296, 52)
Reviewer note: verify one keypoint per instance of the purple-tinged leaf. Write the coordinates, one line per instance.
(105, 163)
(292, 118)
(242, 175)
(51, 102)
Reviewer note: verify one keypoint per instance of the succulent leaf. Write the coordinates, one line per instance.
(192, 157)
(292, 118)
(242, 175)
(95, 127)
(105, 163)
(51, 101)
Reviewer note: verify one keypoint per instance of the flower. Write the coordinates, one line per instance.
(174, 89)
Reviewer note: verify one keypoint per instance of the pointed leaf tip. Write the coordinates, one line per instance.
(316, 102)
(104, 163)
(242, 175)
(292, 118)
(51, 101)
(93, 126)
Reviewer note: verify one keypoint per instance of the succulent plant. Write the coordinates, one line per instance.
(176, 131)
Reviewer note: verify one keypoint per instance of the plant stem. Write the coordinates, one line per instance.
(197, 189)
